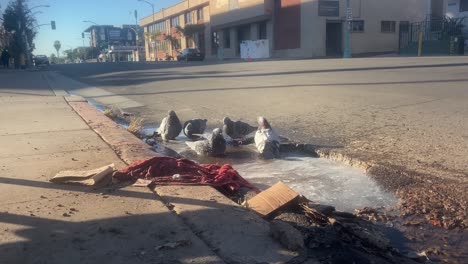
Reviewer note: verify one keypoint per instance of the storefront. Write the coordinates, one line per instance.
(126, 53)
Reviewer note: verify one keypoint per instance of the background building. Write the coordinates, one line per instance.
(184, 25)
(292, 28)
(119, 43)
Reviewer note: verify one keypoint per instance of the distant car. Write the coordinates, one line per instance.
(41, 60)
(190, 54)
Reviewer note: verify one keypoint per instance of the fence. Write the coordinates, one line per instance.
(436, 35)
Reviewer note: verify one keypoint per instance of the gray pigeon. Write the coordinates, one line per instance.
(194, 128)
(237, 130)
(214, 146)
(267, 140)
(170, 127)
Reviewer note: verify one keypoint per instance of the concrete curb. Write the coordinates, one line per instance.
(234, 233)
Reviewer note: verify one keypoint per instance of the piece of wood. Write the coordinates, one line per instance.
(272, 199)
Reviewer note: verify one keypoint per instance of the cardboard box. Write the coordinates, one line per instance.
(272, 199)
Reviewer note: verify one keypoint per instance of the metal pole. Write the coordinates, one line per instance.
(347, 40)
(420, 43)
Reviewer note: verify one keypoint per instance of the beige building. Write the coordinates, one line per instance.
(293, 28)
(163, 40)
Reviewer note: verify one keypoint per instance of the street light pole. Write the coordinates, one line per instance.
(92, 22)
(347, 42)
(25, 36)
(152, 6)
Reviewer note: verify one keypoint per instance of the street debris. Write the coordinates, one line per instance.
(287, 235)
(272, 199)
(160, 170)
(97, 177)
(142, 183)
(135, 125)
(173, 245)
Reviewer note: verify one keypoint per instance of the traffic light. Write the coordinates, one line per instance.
(82, 35)
(52, 24)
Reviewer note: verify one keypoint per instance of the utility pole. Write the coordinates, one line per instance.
(25, 36)
(347, 40)
(152, 6)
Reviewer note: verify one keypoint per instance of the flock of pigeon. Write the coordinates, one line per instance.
(266, 139)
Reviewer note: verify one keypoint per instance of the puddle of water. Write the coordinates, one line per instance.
(96, 105)
(320, 180)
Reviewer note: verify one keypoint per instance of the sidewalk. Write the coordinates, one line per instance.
(43, 222)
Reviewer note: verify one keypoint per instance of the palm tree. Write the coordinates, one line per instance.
(57, 46)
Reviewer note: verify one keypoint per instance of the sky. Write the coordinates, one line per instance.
(70, 14)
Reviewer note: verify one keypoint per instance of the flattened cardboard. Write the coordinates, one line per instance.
(272, 199)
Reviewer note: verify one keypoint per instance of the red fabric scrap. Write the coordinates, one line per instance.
(161, 171)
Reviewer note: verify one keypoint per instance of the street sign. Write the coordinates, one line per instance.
(349, 14)
(329, 8)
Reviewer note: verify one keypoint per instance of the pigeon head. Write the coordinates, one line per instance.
(227, 120)
(171, 113)
(263, 123)
(217, 132)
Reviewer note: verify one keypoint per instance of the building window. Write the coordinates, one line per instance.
(463, 5)
(357, 26)
(177, 44)
(162, 46)
(388, 26)
(227, 39)
(262, 30)
(175, 21)
(189, 18)
(214, 42)
(158, 27)
(200, 14)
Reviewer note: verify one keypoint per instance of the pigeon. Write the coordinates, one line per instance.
(237, 130)
(214, 146)
(194, 128)
(267, 140)
(170, 127)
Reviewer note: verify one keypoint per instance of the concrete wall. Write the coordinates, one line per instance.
(373, 12)
(232, 11)
(372, 40)
(169, 11)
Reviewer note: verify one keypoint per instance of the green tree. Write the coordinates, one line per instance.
(53, 58)
(19, 23)
(57, 46)
(70, 54)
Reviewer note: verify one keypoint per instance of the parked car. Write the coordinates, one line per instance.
(190, 54)
(41, 60)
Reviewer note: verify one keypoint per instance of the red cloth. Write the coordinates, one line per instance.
(162, 169)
